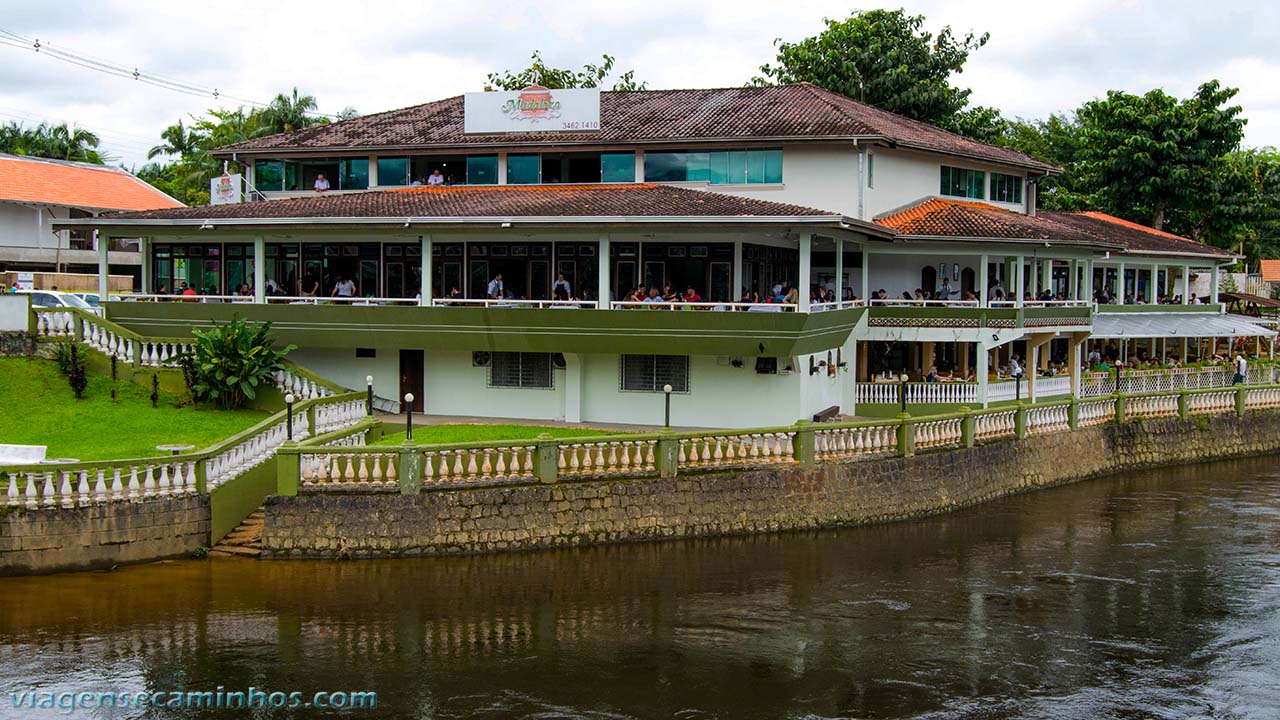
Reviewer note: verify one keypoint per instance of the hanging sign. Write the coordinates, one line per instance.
(533, 109)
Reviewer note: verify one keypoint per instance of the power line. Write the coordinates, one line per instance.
(12, 39)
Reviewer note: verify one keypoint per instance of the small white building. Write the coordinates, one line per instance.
(36, 191)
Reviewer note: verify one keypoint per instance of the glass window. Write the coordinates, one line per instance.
(649, 373)
(482, 170)
(520, 370)
(353, 174)
(722, 167)
(1006, 188)
(268, 175)
(523, 169)
(393, 171)
(871, 170)
(961, 182)
(618, 167)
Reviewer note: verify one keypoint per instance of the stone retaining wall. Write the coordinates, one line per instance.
(725, 503)
(101, 536)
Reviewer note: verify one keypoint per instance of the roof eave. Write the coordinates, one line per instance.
(1014, 241)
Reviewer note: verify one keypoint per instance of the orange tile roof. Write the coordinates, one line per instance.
(1271, 270)
(79, 185)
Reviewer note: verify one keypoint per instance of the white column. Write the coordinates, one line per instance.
(1213, 284)
(1073, 357)
(1087, 294)
(144, 245)
(1154, 289)
(602, 272)
(984, 282)
(984, 367)
(1019, 280)
(428, 271)
(373, 171)
(502, 170)
(866, 275)
(1120, 284)
(103, 244)
(802, 285)
(1073, 280)
(640, 167)
(736, 294)
(1046, 274)
(839, 270)
(259, 269)
(1186, 292)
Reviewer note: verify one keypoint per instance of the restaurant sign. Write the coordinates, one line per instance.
(224, 189)
(533, 109)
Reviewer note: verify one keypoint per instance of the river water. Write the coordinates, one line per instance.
(1153, 595)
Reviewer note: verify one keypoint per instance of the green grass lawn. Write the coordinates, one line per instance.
(40, 409)
(442, 434)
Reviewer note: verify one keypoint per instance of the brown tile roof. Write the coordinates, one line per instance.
(945, 218)
(78, 185)
(1133, 236)
(802, 112)
(969, 219)
(501, 201)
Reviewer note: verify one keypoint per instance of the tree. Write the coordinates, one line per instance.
(1152, 155)
(539, 73)
(884, 58)
(178, 142)
(1057, 140)
(287, 113)
(57, 142)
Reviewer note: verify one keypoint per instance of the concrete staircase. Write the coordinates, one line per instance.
(244, 541)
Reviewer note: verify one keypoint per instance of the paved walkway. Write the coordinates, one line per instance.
(420, 420)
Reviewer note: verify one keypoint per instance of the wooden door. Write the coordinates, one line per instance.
(411, 377)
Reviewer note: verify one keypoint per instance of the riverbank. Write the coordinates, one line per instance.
(768, 499)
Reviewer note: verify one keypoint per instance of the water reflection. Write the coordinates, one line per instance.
(1149, 596)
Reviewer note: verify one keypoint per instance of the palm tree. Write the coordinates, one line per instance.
(289, 112)
(58, 142)
(178, 142)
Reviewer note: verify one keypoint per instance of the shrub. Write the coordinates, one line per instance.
(230, 361)
(70, 359)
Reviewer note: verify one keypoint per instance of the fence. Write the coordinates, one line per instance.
(318, 465)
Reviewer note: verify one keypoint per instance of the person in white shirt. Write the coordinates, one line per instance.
(435, 178)
(561, 283)
(945, 291)
(495, 287)
(1015, 369)
(1242, 366)
(322, 184)
(344, 288)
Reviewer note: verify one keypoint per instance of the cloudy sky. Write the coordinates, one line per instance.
(1043, 57)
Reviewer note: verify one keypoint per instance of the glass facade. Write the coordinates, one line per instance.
(618, 167)
(342, 174)
(353, 174)
(1006, 188)
(524, 169)
(482, 170)
(393, 171)
(961, 182)
(731, 167)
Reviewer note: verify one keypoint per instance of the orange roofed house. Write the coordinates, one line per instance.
(36, 191)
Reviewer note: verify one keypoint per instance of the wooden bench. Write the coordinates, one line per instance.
(827, 415)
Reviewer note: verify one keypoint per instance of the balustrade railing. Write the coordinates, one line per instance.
(606, 457)
(109, 338)
(856, 441)
(939, 433)
(1048, 418)
(736, 449)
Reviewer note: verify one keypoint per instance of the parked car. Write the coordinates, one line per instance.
(54, 299)
(89, 297)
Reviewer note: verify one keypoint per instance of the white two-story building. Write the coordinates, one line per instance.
(485, 252)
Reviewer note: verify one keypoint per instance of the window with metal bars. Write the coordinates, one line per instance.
(520, 370)
(649, 373)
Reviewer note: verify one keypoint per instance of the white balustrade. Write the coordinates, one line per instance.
(918, 393)
(71, 487)
(730, 450)
(938, 433)
(55, 323)
(1047, 419)
(350, 471)
(1263, 398)
(302, 388)
(609, 457)
(335, 416)
(988, 426)
(477, 465)
(1095, 412)
(851, 442)
(1152, 406)
(1212, 402)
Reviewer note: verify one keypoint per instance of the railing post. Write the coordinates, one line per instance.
(1073, 414)
(968, 427)
(1120, 409)
(135, 352)
(312, 431)
(548, 455)
(803, 444)
(1241, 397)
(906, 435)
(410, 462)
(1020, 422)
(1184, 405)
(202, 477)
(668, 455)
(288, 470)
(77, 326)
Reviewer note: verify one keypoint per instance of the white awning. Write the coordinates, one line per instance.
(1156, 324)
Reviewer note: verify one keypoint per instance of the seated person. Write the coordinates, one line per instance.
(692, 296)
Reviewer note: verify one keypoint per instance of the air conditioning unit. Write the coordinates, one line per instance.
(480, 359)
